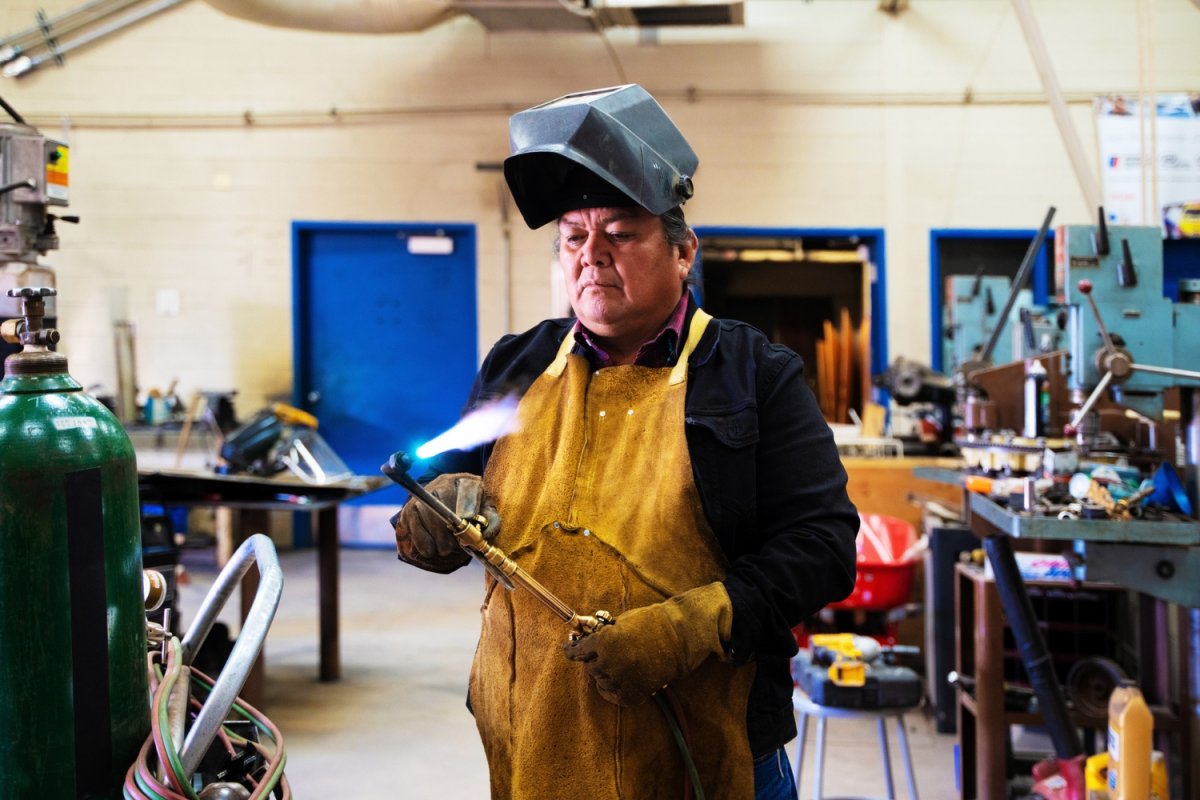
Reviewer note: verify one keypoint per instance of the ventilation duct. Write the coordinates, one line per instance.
(341, 16)
(407, 16)
(518, 15)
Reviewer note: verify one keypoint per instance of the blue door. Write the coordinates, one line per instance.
(384, 335)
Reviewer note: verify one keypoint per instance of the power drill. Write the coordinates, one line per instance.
(849, 655)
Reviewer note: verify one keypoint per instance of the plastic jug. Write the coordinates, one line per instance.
(1130, 734)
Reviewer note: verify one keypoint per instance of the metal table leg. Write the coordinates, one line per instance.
(327, 566)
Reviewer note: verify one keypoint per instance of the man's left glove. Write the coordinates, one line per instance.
(649, 647)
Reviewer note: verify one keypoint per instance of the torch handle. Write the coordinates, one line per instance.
(470, 537)
(581, 625)
(498, 559)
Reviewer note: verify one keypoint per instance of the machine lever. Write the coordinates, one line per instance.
(1171, 372)
(1022, 276)
(1072, 427)
(1027, 329)
(1114, 356)
(977, 284)
(1085, 288)
(28, 183)
(1100, 236)
(1126, 274)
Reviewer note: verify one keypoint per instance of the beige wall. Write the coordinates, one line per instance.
(824, 113)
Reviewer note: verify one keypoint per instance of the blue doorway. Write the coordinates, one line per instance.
(793, 283)
(870, 240)
(385, 336)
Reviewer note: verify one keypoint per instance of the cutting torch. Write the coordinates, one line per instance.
(469, 533)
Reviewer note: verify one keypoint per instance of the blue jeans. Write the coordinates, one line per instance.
(773, 778)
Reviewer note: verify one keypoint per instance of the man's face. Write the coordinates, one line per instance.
(622, 275)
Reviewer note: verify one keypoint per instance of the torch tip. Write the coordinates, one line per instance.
(398, 462)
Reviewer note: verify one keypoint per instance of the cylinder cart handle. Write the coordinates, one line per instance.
(245, 650)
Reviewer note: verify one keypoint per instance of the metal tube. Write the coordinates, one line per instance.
(1058, 104)
(19, 66)
(49, 39)
(35, 31)
(1018, 282)
(1032, 647)
(260, 550)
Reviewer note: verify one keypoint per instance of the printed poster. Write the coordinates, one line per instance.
(1120, 132)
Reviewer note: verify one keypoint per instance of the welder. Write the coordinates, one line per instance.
(669, 467)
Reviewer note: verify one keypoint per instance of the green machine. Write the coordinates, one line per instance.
(73, 684)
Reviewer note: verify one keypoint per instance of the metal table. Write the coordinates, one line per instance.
(251, 498)
(1159, 558)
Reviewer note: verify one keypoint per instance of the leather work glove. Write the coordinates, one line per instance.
(648, 648)
(422, 537)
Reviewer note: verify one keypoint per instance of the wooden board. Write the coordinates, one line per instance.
(845, 363)
(884, 485)
(827, 347)
(864, 363)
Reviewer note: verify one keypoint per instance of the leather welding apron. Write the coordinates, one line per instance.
(597, 502)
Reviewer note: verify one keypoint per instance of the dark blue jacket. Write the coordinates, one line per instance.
(768, 475)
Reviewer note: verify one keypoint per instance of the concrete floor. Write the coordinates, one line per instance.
(395, 726)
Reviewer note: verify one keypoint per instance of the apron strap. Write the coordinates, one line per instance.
(555, 370)
(696, 329)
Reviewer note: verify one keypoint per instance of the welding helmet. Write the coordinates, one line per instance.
(607, 147)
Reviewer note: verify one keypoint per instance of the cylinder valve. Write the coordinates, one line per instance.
(36, 356)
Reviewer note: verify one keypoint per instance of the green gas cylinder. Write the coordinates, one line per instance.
(73, 689)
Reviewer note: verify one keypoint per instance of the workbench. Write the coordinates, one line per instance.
(895, 486)
(251, 498)
(1159, 559)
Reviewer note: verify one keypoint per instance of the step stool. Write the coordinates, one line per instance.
(805, 707)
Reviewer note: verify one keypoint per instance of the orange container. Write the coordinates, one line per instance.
(884, 562)
(1130, 742)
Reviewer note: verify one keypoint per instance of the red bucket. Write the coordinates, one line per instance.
(885, 563)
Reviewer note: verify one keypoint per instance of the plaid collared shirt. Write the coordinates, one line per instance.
(660, 350)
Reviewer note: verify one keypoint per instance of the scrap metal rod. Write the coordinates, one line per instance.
(471, 538)
(1031, 646)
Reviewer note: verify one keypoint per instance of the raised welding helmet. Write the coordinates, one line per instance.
(606, 147)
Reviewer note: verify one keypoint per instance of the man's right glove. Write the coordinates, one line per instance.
(649, 647)
(422, 536)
